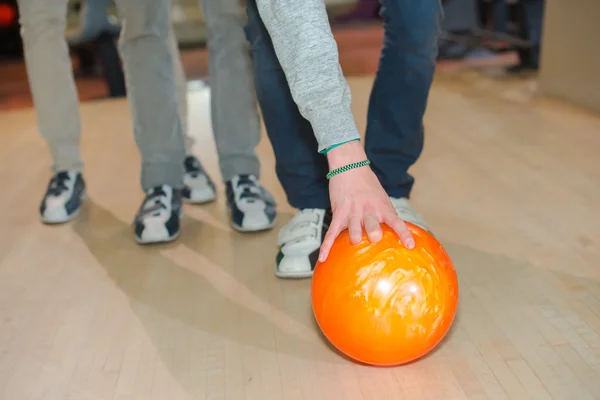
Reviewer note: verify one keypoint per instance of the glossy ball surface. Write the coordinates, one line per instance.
(382, 304)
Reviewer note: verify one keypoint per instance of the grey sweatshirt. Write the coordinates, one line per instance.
(308, 54)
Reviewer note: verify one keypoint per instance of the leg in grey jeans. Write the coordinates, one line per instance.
(234, 111)
(149, 67)
(50, 75)
(151, 88)
(181, 85)
(94, 21)
(235, 120)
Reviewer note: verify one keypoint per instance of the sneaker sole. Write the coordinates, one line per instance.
(200, 200)
(163, 240)
(293, 276)
(158, 241)
(49, 221)
(249, 230)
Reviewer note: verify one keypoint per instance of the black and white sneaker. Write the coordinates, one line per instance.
(63, 198)
(199, 188)
(299, 243)
(158, 218)
(251, 206)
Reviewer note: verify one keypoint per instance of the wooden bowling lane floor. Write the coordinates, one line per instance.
(509, 183)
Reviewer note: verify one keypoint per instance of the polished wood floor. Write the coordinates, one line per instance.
(509, 182)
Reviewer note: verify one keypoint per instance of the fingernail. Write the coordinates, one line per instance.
(410, 243)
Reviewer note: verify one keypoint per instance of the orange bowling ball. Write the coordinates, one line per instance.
(382, 304)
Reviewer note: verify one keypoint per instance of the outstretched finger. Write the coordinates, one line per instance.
(338, 224)
(397, 225)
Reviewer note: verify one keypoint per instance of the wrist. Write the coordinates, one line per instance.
(347, 153)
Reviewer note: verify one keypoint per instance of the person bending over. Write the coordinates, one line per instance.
(305, 102)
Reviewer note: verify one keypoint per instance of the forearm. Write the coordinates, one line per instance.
(308, 54)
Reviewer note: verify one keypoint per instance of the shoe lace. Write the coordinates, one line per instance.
(248, 189)
(58, 184)
(154, 202)
(193, 167)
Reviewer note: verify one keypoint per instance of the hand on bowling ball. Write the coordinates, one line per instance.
(358, 200)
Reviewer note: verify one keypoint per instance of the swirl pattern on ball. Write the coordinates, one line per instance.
(382, 304)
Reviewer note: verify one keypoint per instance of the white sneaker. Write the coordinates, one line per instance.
(407, 213)
(159, 216)
(63, 198)
(251, 207)
(199, 188)
(299, 242)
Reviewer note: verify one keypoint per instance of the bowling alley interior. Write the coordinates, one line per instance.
(499, 298)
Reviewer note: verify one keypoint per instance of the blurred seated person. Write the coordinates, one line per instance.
(531, 19)
(526, 16)
(95, 45)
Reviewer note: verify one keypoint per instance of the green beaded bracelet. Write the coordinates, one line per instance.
(348, 167)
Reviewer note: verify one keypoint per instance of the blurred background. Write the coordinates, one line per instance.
(501, 37)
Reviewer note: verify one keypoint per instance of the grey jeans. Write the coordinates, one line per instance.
(234, 110)
(157, 91)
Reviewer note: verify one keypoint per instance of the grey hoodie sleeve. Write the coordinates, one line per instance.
(308, 54)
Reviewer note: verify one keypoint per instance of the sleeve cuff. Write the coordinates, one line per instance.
(327, 150)
(333, 128)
